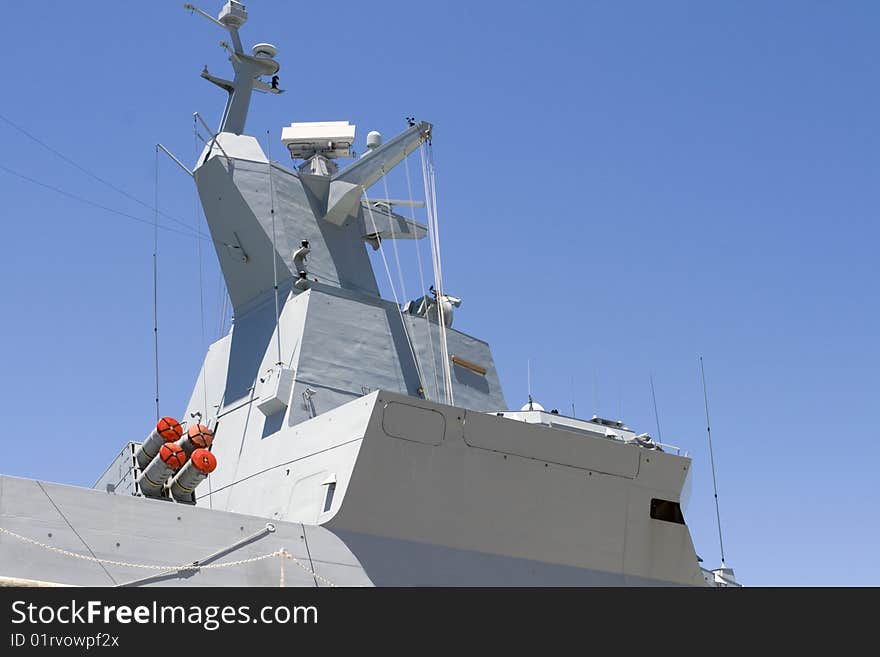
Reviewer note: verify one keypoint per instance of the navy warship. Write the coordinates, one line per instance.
(337, 438)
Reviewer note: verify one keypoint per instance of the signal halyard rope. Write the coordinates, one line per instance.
(434, 234)
(412, 214)
(415, 354)
(391, 284)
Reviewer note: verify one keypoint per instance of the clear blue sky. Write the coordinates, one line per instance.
(623, 186)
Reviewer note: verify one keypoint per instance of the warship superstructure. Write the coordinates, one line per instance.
(336, 438)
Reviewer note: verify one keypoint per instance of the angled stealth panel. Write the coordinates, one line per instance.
(233, 224)
(481, 392)
(237, 198)
(350, 346)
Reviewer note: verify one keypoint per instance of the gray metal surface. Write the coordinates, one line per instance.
(368, 478)
(145, 532)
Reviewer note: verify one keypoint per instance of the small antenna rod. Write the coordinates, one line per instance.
(529, 380)
(595, 394)
(712, 460)
(656, 415)
(156, 279)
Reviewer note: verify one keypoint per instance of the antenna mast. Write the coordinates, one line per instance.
(156, 280)
(248, 68)
(656, 414)
(274, 247)
(712, 461)
(529, 380)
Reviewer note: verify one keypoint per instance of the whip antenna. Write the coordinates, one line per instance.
(656, 414)
(529, 378)
(712, 461)
(156, 280)
(274, 248)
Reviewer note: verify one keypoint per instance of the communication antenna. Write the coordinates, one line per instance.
(656, 415)
(571, 394)
(529, 380)
(595, 393)
(156, 280)
(712, 461)
(274, 247)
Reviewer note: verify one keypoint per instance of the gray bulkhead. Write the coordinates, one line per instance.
(421, 474)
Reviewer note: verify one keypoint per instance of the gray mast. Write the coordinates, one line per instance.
(248, 69)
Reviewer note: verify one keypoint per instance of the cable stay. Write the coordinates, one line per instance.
(147, 222)
(429, 182)
(412, 206)
(418, 361)
(394, 293)
(81, 199)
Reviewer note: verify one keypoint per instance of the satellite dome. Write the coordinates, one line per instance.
(264, 49)
(374, 139)
(532, 406)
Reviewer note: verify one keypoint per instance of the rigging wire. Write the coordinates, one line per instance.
(431, 207)
(712, 460)
(224, 309)
(417, 360)
(391, 282)
(218, 309)
(151, 223)
(412, 213)
(81, 199)
(91, 174)
(394, 237)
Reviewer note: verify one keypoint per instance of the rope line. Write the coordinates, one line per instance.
(391, 283)
(418, 362)
(434, 233)
(287, 555)
(282, 552)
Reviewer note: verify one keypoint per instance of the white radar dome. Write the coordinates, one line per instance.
(265, 49)
(374, 139)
